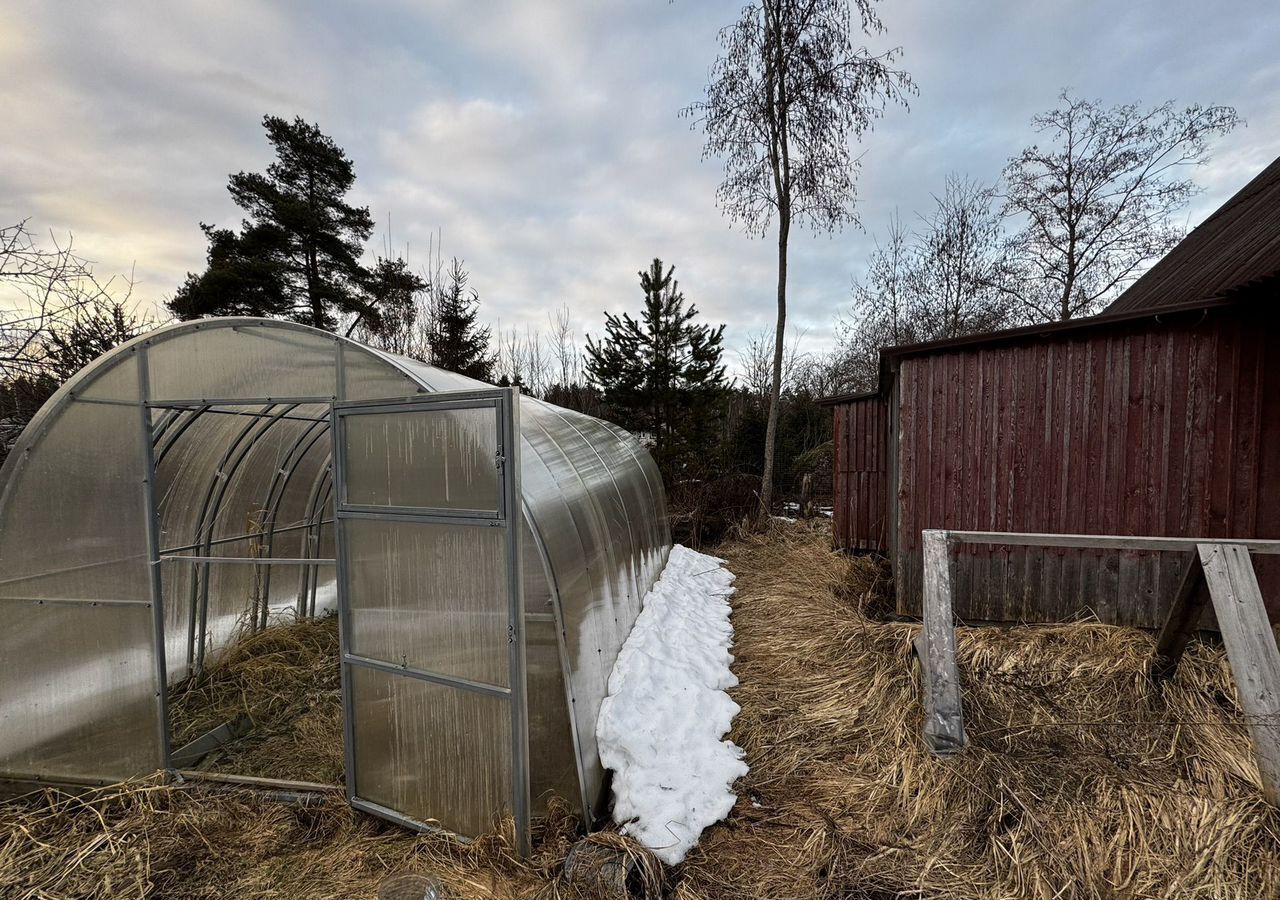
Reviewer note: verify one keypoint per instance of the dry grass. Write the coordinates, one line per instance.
(1082, 778)
(286, 679)
(145, 839)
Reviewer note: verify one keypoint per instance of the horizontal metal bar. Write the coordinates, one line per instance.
(104, 401)
(400, 818)
(255, 415)
(391, 514)
(251, 561)
(39, 782)
(1101, 541)
(466, 684)
(255, 782)
(245, 537)
(454, 398)
(237, 401)
(425, 405)
(74, 601)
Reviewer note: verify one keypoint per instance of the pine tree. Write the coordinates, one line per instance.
(396, 292)
(661, 376)
(456, 342)
(297, 255)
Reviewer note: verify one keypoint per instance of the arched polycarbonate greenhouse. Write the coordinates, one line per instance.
(486, 552)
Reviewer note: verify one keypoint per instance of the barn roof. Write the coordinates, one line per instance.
(1235, 248)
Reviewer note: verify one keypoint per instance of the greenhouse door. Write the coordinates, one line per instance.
(428, 516)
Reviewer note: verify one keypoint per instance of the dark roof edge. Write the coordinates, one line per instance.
(889, 356)
(847, 398)
(1053, 328)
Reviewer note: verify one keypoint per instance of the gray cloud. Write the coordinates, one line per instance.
(543, 139)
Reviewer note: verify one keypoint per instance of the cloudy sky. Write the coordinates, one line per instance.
(542, 139)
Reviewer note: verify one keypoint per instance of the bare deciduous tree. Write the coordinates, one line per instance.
(786, 95)
(755, 364)
(956, 261)
(934, 283)
(522, 360)
(1096, 201)
(41, 286)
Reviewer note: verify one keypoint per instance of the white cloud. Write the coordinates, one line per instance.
(543, 139)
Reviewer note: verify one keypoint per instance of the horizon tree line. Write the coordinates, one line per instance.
(1071, 222)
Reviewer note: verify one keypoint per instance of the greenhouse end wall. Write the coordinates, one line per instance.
(231, 417)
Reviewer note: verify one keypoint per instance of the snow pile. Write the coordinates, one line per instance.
(661, 726)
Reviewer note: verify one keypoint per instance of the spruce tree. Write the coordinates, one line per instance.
(661, 375)
(457, 342)
(297, 255)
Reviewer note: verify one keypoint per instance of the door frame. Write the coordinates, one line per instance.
(506, 403)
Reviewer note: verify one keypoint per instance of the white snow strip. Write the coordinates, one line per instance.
(661, 726)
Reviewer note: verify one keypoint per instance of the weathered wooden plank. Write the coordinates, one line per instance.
(1251, 650)
(1182, 621)
(1105, 541)
(190, 754)
(944, 716)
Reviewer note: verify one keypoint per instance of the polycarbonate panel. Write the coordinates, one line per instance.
(192, 449)
(553, 768)
(431, 752)
(113, 382)
(368, 377)
(74, 523)
(441, 380)
(243, 361)
(589, 628)
(428, 459)
(175, 588)
(601, 495)
(77, 691)
(430, 597)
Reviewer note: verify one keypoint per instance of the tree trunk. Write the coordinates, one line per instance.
(775, 389)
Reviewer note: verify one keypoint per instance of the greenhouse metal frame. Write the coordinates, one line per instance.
(488, 552)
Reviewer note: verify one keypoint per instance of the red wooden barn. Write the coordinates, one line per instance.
(1159, 417)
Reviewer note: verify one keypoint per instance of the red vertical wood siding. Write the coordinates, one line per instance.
(860, 475)
(1137, 428)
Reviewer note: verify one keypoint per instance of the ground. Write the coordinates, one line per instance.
(1083, 779)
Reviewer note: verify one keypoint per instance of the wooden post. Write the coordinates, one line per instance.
(1251, 650)
(944, 716)
(1180, 624)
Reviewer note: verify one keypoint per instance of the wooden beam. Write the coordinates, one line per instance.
(944, 715)
(1103, 541)
(1180, 624)
(189, 754)
(1251, 650)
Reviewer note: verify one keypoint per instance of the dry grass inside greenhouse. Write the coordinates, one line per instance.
(1082, 778)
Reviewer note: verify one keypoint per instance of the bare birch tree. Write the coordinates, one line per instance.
(788, 93)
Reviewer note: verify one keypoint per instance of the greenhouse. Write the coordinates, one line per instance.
(486, 554)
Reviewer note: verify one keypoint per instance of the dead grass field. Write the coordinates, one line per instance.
(1082, 779)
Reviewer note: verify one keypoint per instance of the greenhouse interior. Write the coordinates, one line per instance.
(478, 555)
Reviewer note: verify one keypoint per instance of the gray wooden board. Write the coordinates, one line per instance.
(1184, 615)
(1251, 650)
(944, 716)
(1101, 541)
